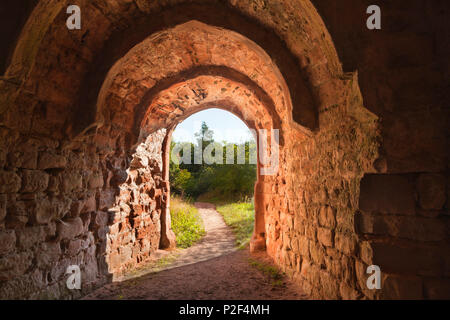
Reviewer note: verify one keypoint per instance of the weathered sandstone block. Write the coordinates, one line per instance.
(325, 237)
(7, 240)
(14, 265)
(48, 253)
(70, 228)
(44, 211)
(431, 188)
(30, 236)
(49, 160)
(392, 194)
(24, 156)
(71, 182)
(95, 181)
(34, 181)
(327, 217)
(10, 182)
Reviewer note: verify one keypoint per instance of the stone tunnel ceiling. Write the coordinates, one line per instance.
(183, 99)
(86, 118)
(185, 49)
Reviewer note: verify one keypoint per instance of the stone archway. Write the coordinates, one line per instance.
(194, 66)
(262, 102)
(204, 92)
(89, 133)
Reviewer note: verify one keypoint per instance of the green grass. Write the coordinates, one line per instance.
(186, 223)
(271, 272)
(240, 217)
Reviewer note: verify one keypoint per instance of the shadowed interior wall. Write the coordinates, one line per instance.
(404, 78)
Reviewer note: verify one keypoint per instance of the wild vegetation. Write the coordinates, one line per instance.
(186, 222)
(222, 181)
(229, 186)
(240, 217)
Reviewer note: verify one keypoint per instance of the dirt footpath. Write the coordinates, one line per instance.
(211, 269)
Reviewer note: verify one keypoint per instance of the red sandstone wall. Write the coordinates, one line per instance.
(50, 190)
(135, 229)
(404, 217)
(76, 205)
(311, 231)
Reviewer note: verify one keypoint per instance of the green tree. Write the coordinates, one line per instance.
(224, 180)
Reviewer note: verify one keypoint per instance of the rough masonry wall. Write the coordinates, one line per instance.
(50, 190)
(135, 229)
(403, 75)
(75, 203)
(311, 232)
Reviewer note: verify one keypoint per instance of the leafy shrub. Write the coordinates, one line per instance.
(186, 222)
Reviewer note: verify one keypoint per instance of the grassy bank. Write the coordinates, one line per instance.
(186, 222)
(240, 217)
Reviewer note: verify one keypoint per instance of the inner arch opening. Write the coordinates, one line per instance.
(213, 159)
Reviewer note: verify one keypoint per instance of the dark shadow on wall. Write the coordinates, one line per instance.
(13, 16)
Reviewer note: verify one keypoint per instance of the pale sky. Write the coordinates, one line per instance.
(226, 126)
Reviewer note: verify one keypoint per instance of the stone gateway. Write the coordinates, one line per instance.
(86, 118)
